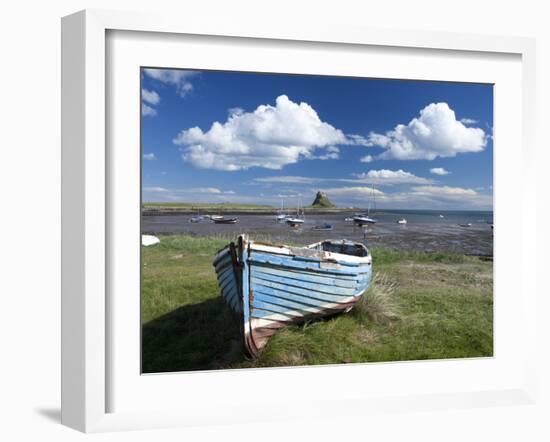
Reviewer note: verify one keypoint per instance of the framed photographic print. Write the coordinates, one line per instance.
(293, 210)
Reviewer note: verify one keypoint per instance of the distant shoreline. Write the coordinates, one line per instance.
(159, 209)
(153, 211)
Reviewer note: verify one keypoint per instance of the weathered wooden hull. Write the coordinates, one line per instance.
(271, 287)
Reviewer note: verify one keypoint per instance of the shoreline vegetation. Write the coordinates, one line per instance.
(233, 208)
(183, 208)
(421, 305)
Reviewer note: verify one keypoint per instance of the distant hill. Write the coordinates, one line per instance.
(321, 201)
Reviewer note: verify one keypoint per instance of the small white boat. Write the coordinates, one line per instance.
(466, 225)
(348, 219)
(197, 218)
(294, 222)
(281, 215)
(216, 217)
(223, 220)
(441, 216)
(363, 219)
(402, 221)
(149, 240)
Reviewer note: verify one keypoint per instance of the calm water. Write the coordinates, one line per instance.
(425, 230)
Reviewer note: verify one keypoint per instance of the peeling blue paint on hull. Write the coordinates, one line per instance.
(271, 287)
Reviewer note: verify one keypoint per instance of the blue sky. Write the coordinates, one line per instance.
(212, 136)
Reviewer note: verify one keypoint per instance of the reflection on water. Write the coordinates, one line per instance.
(423, 231)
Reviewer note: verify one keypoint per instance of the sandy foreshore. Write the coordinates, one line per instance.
(419, 234)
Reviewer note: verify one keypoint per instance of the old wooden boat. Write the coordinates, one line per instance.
(271, 286)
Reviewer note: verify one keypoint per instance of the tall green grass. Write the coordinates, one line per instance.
(419, 306)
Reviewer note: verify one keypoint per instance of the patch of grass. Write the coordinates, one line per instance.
(386, 256)
(378, 302)
(419, 306)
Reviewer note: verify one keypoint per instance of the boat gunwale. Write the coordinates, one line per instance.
(267, 259)
(320, 255)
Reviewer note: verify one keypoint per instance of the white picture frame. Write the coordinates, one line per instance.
(87, 208)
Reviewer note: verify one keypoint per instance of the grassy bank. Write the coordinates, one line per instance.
(205, 206)
(423, 306)
(182, 207)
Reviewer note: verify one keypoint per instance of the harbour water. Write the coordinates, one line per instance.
(425, 230)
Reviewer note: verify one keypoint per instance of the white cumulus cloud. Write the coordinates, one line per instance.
(213, 190)
(270, 137)
(330, 153)
(149, 156)
(435, 133)
(439, 171)
(389, 177)
(289, 179)
(357, 192)
(367, 159)
(150, 97)
(156, 189)
(443, 191)
(147, 111)
(174, 77)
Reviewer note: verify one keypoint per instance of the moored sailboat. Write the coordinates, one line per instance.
(365, 218)
(281, 215)
(296, 221)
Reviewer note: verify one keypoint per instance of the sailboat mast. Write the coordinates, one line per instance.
(368, 207)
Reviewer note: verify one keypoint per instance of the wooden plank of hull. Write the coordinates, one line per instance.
(301, 287)
(330, 280)
(293, 293)
(222, 254)
(265, 328)
(228, 276)
(223, 264)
